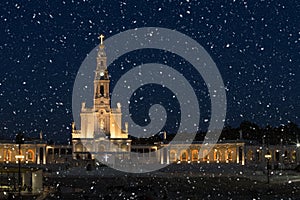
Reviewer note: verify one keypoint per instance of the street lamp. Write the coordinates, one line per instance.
(268, 156)
(19, 141)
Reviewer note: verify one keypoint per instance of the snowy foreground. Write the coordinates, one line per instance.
(175, 182)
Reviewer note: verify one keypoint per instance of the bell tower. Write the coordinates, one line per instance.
(101, 81)
(101, 126)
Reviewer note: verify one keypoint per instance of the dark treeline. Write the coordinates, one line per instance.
(283, 134)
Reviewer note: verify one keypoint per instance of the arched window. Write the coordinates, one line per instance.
(102, 90)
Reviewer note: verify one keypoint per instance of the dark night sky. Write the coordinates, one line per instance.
(255, 45)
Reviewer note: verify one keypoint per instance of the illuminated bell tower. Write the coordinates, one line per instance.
(108, 120)
(100, 130)
(101, 81)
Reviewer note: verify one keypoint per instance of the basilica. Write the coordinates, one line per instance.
(100, 125)
(101, 135)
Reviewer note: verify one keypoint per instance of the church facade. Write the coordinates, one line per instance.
(100, 125)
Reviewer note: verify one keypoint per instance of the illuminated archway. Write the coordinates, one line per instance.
(30, 155)
(173, 156)
(195, 155)
(217, 155)
(7, 155)
(184, 156)
(229, 153)
(205, 155)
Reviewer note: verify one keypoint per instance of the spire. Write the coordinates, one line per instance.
(41, 135)
(101, 37)
(101, 71)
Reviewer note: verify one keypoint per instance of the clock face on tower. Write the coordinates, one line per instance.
(101, 73)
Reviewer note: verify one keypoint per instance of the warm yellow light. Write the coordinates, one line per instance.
(268, 156)
(19, 156)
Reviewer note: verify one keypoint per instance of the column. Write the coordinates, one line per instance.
(237, 155)
(38, 154)
(243, 155)
(161, 156)
(168, 155)
(44, 155)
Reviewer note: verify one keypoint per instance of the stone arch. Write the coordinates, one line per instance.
(217, 155)
(7, 155)
(173, 155)
(229, 155)
(195, 155)
(184, 156)
(205, 155)
(30, 155)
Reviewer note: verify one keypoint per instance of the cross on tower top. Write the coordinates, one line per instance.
(101, 37)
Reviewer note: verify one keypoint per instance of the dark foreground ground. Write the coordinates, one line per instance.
(174, 186)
